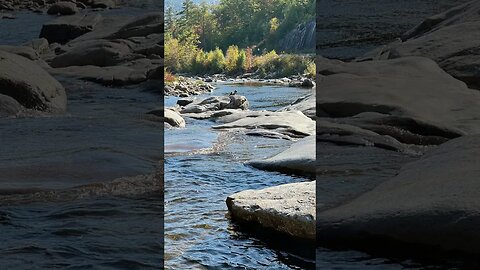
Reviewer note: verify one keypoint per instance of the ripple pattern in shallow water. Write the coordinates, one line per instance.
(88, 234)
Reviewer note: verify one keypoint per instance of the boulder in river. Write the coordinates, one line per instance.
(173, 118)
(30, 85)
(288, 209)
(299, 158)
(433, 201)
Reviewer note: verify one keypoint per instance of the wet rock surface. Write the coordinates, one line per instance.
(287, 209)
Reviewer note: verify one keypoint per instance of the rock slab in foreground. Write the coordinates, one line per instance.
(288, 209)
(434, 201)
(300, 158)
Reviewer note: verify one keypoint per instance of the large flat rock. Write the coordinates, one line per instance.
(293, 124)
(288, 209)
(409, 99)
(432, 201)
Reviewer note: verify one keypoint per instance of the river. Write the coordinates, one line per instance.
(202, 168)
(54, 212)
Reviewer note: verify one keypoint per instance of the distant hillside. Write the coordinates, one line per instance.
(177, 4)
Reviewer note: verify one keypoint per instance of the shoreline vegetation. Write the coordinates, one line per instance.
(239, 40)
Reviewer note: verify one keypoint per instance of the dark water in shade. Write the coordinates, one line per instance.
(200, 176)
(46, 219)
(349, 28)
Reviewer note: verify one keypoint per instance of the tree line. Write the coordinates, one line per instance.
(232, 36)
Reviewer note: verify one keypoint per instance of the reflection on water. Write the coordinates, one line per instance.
(108, 233)
(198, 232)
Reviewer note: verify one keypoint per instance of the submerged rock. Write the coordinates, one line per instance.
(433, 201)
(30, 85)
(288, 209)
(299, 158)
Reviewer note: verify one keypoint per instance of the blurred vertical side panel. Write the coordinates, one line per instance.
(81, 132)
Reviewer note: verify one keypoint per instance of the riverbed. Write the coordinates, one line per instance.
(203, 167)
(54, 211)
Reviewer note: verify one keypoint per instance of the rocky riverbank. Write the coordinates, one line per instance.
(295, 122)
(417, 96)
(189, 86)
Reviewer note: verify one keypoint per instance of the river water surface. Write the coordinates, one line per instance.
(51, 168)
(202, 168)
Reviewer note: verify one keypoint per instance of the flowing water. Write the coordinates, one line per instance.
(82, 190)
(346, 30)
(203, 167)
